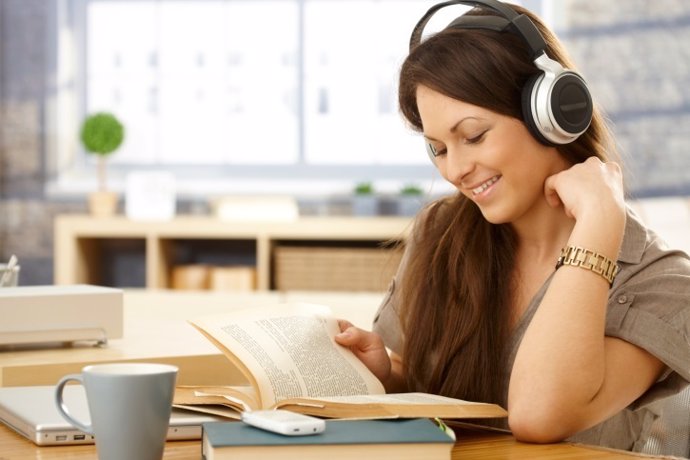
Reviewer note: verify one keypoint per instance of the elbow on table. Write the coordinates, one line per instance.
(539, 426)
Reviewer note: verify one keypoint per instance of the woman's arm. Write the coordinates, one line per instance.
(576, 384)
(567, 375)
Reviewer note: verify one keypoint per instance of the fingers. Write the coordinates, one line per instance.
(349, 334)
(575, 189)
(552, 198)
(368, 347)
(355, 337)
(344, 324)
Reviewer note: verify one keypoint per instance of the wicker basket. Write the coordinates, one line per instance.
(217, 278)
(232, 278)
(334, 269)
(190, 277)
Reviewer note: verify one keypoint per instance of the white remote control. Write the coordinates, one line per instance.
(284, 422)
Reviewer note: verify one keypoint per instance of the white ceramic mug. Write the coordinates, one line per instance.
(129, 405)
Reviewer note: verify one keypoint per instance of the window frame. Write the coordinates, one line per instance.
(71, 171)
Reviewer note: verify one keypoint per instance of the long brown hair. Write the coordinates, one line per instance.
(456, 290)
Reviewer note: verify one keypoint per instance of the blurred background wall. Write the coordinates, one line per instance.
(634, 54)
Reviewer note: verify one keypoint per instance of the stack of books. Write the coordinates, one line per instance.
(343, 439)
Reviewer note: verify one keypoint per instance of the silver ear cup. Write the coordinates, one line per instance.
(557, 105)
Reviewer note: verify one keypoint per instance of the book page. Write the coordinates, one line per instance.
(396, 398)
(290, 352)
(212, 409)
(242, 397)
(404, 405)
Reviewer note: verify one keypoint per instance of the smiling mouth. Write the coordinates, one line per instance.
(485, 185)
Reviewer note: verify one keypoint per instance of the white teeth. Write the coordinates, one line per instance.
(484, 186)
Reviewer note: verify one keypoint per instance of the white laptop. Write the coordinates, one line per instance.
(31, 412)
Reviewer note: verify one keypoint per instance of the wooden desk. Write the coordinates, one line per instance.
(471, 445)
(156, 330)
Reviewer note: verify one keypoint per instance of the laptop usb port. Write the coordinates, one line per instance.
(61, 437)
(79, 437)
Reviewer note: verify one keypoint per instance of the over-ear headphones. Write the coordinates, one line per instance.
(556, 104)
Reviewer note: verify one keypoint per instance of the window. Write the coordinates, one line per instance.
(196, 82)
(240, 95)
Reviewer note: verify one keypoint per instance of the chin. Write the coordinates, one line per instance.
(494, 219)
(495, 216)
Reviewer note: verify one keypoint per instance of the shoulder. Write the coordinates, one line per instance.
(648, 266)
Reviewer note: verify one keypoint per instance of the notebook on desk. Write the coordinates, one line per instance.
(31, 412)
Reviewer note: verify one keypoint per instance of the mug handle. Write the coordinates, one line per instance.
(62, 407)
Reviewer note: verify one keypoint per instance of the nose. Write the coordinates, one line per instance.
(455, 166)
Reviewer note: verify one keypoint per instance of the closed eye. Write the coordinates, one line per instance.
(434, 152)
(475, 139)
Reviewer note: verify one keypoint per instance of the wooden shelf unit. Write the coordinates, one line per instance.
(83, 243)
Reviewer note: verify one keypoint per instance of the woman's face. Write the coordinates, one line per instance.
(492, 159)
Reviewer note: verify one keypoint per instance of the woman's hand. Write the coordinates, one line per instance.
(587, 188)
(592, 194)
(368, 347)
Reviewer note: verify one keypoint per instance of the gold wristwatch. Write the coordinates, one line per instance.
(589, 260)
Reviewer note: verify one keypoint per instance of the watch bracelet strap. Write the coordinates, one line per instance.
(577, 256)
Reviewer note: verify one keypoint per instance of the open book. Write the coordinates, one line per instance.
(291, 360)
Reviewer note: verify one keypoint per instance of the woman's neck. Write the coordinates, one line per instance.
(543, 232)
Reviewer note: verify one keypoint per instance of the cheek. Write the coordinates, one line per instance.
(528, 177)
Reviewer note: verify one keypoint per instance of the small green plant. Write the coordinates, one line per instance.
(411, 190)
(101, 134)
(364, 188)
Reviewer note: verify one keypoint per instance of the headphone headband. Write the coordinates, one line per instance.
(556, 104)
(522, 24)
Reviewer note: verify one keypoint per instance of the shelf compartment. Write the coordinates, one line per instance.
(219, 264)
(340, 266)
(112, 262)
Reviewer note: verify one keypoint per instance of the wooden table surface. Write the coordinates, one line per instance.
(153, 318)
(471, 445)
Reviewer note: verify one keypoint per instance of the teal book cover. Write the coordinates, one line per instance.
(407, 431)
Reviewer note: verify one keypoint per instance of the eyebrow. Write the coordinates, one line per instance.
(454, 127)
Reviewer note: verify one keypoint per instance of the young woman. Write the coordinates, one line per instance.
(585, 351)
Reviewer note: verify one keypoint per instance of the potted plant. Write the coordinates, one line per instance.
(409, 200)
(364, 202)
(102, 134)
